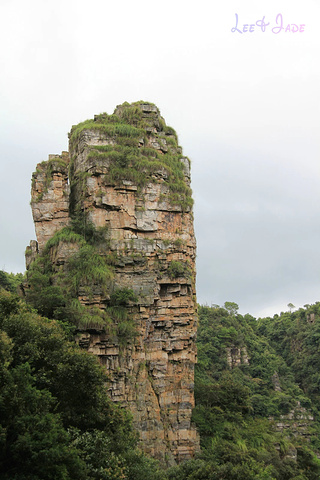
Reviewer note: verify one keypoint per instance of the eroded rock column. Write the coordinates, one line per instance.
(128, 176)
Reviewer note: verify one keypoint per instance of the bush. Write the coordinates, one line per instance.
(123, 297)
(178, 269)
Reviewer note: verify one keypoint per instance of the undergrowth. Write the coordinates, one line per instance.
(56, 291)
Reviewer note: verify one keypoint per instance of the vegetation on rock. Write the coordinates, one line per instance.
(178, 269)
(251, 377)
(54, 292)
(138, 151)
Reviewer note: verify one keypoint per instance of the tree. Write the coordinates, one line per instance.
(33, 441)
(231, 307)
(48, 388)
(291, 306)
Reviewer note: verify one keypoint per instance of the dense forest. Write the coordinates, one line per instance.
(257, 390)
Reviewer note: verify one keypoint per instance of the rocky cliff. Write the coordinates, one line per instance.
(119, 206)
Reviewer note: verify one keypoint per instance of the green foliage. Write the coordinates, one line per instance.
(96, 451)
(106, 126)
(87, 268)
(296, 336)
(54, 292)
(129, 159)
(178, 243)
(42, 294)
(34, 443)
(48, 385)
(125, 328)
(10, 281)
(234, 403)
(56, 420)
(9, 303)
(178, 269)
(4, 281)
(132, 114)
(84, 228)
(65, 235)
(85, 317)
(231, 307)
(123, 297)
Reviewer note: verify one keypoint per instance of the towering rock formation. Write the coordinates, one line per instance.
(126, 183)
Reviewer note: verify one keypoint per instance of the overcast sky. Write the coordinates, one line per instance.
(245, 107)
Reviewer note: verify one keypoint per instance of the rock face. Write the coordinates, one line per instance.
(297, 423)
(126, 175)
(50, 197)
(237, 356)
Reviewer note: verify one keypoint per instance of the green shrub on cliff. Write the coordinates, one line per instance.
(178, 269)
(54, 292)
(132, 156)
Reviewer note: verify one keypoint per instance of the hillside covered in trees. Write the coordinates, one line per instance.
(257, 390)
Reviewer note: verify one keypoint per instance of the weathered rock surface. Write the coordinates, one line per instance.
(150, 237)
(50, 197)
(237, 356)
(297, 422)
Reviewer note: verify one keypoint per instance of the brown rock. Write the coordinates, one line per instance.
(151, 238)
(50, 197)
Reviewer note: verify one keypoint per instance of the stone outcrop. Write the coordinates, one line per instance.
(126, 175)
(237, 356)
(50, 197)
(276, 382)
(296, 423)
